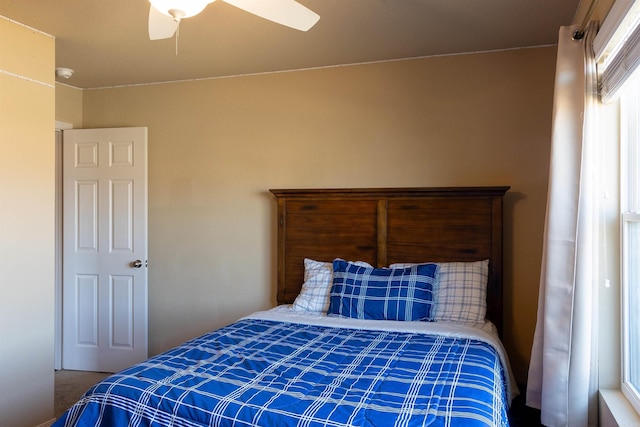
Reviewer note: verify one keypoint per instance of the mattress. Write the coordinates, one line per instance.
(284, 368)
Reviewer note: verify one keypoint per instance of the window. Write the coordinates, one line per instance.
(617, 50)
(630, 220)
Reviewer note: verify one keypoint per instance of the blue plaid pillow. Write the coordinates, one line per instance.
(460, 293)
(382, 293)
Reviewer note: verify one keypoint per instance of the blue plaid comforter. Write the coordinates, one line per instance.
(268, 373)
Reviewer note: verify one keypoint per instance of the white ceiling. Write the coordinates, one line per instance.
(106, 41)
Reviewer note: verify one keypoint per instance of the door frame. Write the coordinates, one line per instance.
(57, 321)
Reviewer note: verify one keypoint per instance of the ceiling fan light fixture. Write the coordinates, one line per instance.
(179, 9)
(165, 15)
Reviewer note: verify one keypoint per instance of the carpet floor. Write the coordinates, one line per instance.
(70, 386)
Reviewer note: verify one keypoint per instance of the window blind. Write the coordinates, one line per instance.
(617, 47)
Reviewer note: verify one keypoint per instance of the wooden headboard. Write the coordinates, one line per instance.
(389, 225)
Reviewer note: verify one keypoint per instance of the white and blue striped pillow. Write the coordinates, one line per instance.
(314, 295)
(381, 293)
(318, 278)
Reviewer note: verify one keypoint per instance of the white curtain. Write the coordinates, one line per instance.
(562, 379)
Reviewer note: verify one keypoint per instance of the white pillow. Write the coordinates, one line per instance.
(318, 278)
(460, 291)
(314, 295)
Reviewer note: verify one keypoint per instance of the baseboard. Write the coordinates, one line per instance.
(47, 423)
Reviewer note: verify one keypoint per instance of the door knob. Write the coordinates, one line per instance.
(136, 264)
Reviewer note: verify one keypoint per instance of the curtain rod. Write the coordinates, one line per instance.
(579, 33)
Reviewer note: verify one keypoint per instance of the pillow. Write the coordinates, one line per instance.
(382, 293)
(460, 292)
(318, 278)
(314, 295)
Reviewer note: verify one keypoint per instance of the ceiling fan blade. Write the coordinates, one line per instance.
(285, 12)
(161, 26)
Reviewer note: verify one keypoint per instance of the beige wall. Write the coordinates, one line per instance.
(69, 105)
(27, 102)
(217, 146)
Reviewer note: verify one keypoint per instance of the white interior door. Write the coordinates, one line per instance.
(104, 248)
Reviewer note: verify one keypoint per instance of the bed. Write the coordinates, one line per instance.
(389, 313)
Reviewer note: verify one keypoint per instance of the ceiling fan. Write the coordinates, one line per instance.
(165, 15)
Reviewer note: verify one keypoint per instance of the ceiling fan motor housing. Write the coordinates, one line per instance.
(179, 9)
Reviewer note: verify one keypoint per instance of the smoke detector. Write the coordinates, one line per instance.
(65, 73)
